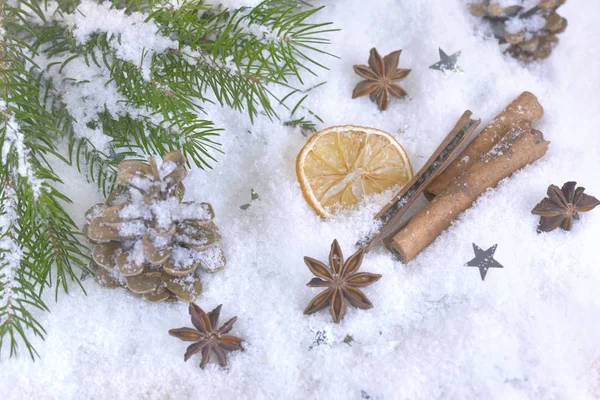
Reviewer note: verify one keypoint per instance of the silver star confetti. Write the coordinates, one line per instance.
(484, 260)
(447, 63)
(253, 196)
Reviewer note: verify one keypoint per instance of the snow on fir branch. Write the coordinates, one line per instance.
(104, 60)
(11, 257)
(18, 295)
(14, 142)
(90, 83)
(132, 38)
(10, 251)
(13, 137)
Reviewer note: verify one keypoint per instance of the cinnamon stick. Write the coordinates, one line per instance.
(519, 147)
(525, 107)
(393, 211)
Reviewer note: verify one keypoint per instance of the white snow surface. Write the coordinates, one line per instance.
(529, 331)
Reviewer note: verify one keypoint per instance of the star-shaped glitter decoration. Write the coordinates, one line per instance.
(484, 260)
(253, 196)
(447, 63)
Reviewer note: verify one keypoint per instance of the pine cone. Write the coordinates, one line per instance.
(530, 33)
(147, 239)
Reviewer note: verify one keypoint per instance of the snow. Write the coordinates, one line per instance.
(532, 24)
(12, 252)
(526, 4)
(164, 212)
(209, 258)
(132, 228)
(260, 31)
(529, 331)
(133, 39)
(233, 3)
(14, 142)
(136, 253)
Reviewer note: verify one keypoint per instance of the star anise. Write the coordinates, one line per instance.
(562, 205)
(342, 283)
(208, 338)
(380, 76)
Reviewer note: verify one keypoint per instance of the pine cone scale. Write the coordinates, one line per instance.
(198, 236)
(154, 254)
(127, 265)
(104, 254)
(147, 282)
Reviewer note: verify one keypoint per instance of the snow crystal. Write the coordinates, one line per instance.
(162, 212)
(166, 168)
(95, 211)
(161, 241)
(183, 257)
(531, 24)
(260, 31)
(211, 259)
(132, 228)
(136, 253)
(200, 211)
(526, 4)
(136, 210)
(233, 4)
(165, 212)
(186, 281)
(141, 182)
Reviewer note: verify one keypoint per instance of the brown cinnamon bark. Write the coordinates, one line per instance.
(392, 212)
(519, 147)
(525, 107)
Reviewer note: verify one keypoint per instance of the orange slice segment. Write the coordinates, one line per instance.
(340, 165)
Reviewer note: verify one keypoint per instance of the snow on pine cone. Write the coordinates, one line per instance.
(147, 239)
(529, 27)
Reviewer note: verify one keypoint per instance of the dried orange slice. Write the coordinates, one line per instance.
(340, 165)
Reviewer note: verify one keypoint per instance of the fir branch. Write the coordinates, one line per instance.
(38, 240)
(99, 167)
(242, 51)
(17, 295)
(161, 114)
